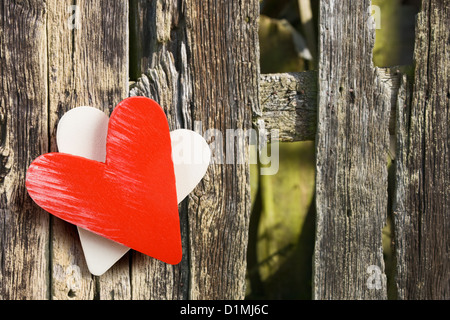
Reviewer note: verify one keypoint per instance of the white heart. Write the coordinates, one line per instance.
(82, 131)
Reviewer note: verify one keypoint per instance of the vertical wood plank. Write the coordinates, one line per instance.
(223, 46)
(88, 65)
(24, 227)
(201, 63)
(159, 56)
(422, 201)
(351, 157)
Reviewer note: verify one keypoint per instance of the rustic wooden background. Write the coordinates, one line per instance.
(200, 60)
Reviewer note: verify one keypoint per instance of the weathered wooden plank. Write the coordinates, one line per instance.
(422, 198)
(88, 65)
(289, 103)
(161, 60)
(24, 228)
(223, 47)
(351, 157)
(203, 68)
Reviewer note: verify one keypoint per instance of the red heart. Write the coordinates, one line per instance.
(131, 198)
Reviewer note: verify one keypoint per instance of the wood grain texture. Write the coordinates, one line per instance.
(24, 240)
(200, 61)
(223, 46)
(203, 68)
(159, 56)
(422, 201)
(351, 157)
(88, 65)
(223, 42)
(289, 102)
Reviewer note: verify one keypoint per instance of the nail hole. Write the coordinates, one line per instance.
(71, 294)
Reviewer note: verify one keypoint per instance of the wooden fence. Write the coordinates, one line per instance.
(200, 60)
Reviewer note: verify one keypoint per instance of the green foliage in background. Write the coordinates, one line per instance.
(282, 222)
(395, 39)
(283, 209)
